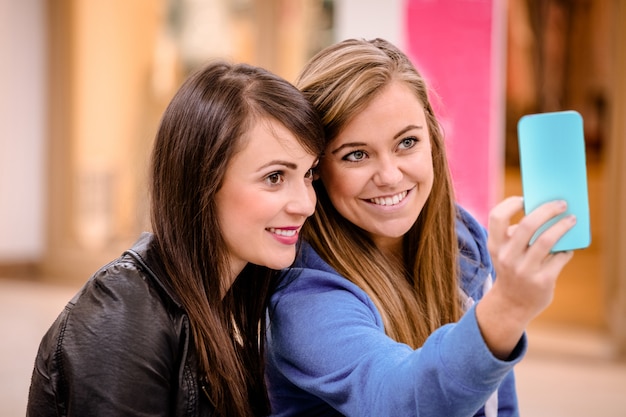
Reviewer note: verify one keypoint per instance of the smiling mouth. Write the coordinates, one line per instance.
(389, 201)
(283, 232)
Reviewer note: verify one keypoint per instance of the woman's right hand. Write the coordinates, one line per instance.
(525, 274)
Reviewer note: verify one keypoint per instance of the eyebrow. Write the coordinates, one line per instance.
(406, 129)
(358, 144)
(347, 145)
(286, 164)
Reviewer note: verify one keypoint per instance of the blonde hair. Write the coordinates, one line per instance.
(417, 292)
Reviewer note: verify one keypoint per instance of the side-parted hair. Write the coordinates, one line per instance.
(417, 292)
(199, 133)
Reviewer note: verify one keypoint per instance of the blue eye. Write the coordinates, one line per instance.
(355, 156)
(408, 143)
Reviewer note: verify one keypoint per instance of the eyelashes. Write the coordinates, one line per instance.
(354, 156)
(360, 154)
(277, 178)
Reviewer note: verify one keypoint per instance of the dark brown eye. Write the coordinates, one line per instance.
(274, 178)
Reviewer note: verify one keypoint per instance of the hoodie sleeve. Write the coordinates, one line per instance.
(477, 275)
(327, 348)
(475, 262)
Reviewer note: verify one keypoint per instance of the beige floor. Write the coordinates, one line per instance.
(567, 372)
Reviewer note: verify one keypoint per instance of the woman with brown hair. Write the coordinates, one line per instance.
(389, 313)
(174, 327)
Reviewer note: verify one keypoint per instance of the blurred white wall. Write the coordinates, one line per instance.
(370, 19)
(22, 129)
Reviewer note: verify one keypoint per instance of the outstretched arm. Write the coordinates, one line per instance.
(526, 274)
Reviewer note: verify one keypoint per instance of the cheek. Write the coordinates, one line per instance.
(312, 196)
(427, 171)
(234, 208)
(340, 184)
(422, 167)
(226, 215)
(430, 171)
(427, 177)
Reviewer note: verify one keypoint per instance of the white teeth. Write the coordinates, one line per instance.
(283, 232)
(389, 201)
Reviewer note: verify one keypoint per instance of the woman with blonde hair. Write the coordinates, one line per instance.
(389, 313)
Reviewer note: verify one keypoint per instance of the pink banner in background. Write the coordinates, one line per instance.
(454, 45)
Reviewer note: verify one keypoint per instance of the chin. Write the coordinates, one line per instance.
(282, 262)
(397, 232)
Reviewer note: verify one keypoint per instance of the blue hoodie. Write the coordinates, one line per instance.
(328, 354)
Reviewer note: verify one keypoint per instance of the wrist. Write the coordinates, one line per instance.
(501, 323)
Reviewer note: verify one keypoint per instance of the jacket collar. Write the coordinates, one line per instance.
(142, 252)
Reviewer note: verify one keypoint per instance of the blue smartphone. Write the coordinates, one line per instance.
(553, 167)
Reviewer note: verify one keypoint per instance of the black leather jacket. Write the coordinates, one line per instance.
(121, 347)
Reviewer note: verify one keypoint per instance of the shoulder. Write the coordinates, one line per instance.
(127, 285)
(312, 284)
(314, 308)
(475, 261)
(120, 330)
(119, 307)
(311, 272)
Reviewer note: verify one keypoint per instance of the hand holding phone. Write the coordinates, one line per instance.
(553, 167)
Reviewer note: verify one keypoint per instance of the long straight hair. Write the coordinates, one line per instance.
(417, 291)
(199, 133)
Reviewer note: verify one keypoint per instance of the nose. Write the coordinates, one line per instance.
(302, 200)
(388, 172)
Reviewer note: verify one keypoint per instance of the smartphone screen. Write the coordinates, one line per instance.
(553, 167)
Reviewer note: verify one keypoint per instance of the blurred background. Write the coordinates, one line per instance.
(83, 84)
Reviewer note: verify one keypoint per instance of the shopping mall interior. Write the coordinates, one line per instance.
(86, 84)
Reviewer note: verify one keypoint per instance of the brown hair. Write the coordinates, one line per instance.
(418, 292)
(200, 131)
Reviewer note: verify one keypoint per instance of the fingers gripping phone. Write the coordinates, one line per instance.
(553, 167)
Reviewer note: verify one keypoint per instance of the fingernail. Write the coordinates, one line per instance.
(571, 218)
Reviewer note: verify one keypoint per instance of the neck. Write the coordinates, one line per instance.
(390, 246)
(235, 270)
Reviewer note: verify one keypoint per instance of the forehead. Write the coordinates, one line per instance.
(265, 138)
(392, 109)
